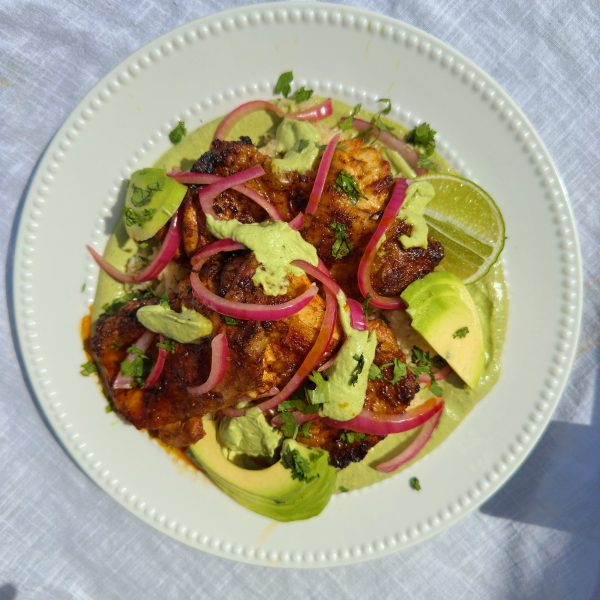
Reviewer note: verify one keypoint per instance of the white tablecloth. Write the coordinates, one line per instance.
(61, 537)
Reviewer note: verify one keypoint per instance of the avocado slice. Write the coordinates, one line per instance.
(151, 200)
(273, 492)
(444, 313)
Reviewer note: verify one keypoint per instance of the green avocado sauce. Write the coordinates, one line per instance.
(186, 327)
(275, 245)
(419, 194)
(489, 293)
(342, 394)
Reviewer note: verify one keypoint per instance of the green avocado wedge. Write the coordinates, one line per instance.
(151, 200)
(271, 492)
(444, 313)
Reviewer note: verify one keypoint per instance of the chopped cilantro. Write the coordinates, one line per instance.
(460, 333)
(134, 367)
(346, 184)
(425, 364)
(88, 368)
(399, 372)
(108, 408)
(346, 123)
(423, 138)
(137, 217)
(230, 320)
(289, 426)
(341, 246)
(116, 345)
(111, 308)
(164, 300)
(436, 388)
(297, 464)
(283, 85)
(140, 196)
(352, 436)
(420, 357)
(302, 94)
(167, 344)
(298, 404)
(343, 489)
(375, 373)
(178, 133)
(304, 429)
(387, 106)
(415, 484)
(426, 163)
(365, 304)
(358, 369)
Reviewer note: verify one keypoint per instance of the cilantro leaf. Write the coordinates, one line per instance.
(341, 246)
(365, 304)
(423, 138)
(461, 333)
(298, 404)
(164, 301)
(346, 184)
(399, 372)
(375, 373)
(134, 367)
(137, 217)
(436, 388)
(415, 484)
(420, 357)
(283, 85)
(178, 133)
(230, 320)
(302, 94)
(304, 430)
(346, 123)
(358, 369)
(88, 368)
(387, 106)
(167, 344)
(300, 467)
(289, 426)
(352, 436)
(111, 308)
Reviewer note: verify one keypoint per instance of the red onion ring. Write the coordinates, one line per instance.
(190, 178)
(159, 262)
(357, 316)
(123, 382)
(364, 267)
(321, 177)
(158, 366)
(218, 366)
(373, 424)
(408, 153)
(313, 113)
(297, 222)
(241, 111)
(250, 312)
(321, 274)
(416, 446)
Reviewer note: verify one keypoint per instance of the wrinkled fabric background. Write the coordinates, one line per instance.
(61, 537)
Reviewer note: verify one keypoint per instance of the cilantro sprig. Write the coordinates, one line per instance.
(422, 137)
(346, 184)
(341, 246)
(284, 87)
(178, 133)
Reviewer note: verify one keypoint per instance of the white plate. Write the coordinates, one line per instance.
(202, 70)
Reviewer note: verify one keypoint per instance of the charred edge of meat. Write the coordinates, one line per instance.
(221, 154)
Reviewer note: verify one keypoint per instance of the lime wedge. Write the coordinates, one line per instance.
(466, 221)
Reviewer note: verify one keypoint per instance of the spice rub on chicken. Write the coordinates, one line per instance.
(264, 355)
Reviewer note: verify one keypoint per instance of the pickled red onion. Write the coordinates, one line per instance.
(321, 177)
(158, 366)
(299, 417)
(163, 257)
(297, 222)
(241, 111)
(408, 153)
(313, 113)
(364, 267)
(375, 424)
(417, 444)
(439, 375)
(218, 366)
(123, 382)
(357, 316)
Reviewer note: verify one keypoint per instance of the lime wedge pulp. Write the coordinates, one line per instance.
(466, 221)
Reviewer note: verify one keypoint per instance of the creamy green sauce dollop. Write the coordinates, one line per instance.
(299, 140)
(418, 196)
(250, 434)
(275, 245)
(186, 327)
(342, 394)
